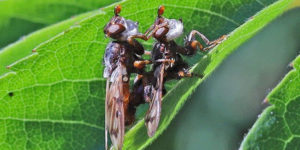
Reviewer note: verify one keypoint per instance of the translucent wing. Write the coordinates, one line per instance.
(153, 114)
(106, 114)
(115, 109)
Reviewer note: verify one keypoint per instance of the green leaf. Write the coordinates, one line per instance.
(24, 47)
(54, 99)
(278, 125)
(20, 17)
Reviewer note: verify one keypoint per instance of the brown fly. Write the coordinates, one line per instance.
(123, 57)
(119, 64)
(165, 30)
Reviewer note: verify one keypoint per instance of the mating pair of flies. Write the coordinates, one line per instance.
(123, 56)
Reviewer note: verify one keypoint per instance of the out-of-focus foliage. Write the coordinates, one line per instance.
(20, 17)
(26, 45)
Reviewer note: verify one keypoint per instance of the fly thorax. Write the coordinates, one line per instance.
(175, 29)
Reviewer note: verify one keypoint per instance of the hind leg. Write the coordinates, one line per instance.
(130, 115)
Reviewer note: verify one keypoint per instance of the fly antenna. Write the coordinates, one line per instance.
(160, 11)
(118, 10)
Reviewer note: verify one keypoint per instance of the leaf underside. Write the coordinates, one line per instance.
(54, 99)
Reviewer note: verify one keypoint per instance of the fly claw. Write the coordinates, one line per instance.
(123, 57)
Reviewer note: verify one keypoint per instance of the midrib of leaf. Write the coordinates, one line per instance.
(52, 63)
(56, 121)
(136, 138)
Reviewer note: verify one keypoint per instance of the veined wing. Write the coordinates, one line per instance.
(115, 117)
(153, 114)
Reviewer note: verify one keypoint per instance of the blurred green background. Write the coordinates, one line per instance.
(227, 104)
(223, 108)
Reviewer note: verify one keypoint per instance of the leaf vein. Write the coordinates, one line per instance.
(76, 122)
(208, 12)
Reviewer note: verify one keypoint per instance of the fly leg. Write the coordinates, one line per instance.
(210, 44)
(136, 96)
(140, 64)
(191, 41)
(215, 42)
(146, 37)
(182, 70)
(183, 73)
(140, 92)
(193, 33)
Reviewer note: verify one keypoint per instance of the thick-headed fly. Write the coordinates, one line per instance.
(119, 64)
(165, 30)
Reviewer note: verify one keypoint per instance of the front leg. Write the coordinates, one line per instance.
(131, 38)
(140, 64)
(210, 44)
(190, 47)
(194, 33)
(144, 36)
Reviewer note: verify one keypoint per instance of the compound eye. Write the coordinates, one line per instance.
(161, 32)
(114, 30)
